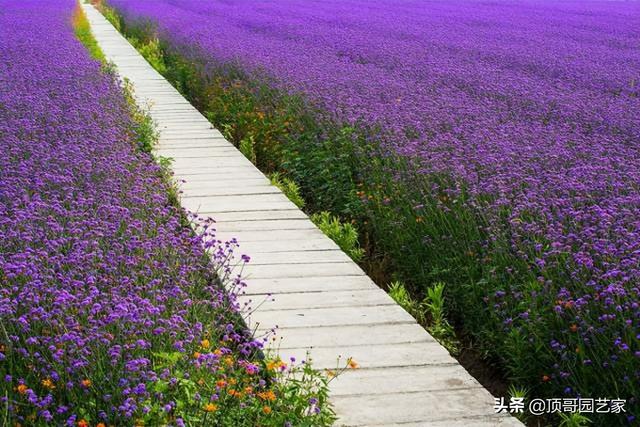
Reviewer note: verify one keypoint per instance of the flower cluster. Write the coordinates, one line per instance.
(111, 311)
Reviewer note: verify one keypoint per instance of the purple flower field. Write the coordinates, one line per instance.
(110, 311)
(536, 103)
(530, 109)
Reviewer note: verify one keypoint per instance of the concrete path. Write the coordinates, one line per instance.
(322, 301)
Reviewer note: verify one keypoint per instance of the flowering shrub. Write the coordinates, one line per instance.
(490, 146)
(111, 313)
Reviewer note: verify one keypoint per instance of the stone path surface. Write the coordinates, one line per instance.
(323, 303)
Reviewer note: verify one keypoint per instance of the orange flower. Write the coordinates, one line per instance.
(210, 407)
(22, 388)
(196, 355)
(201, 381)
(248, 389)
(221, 383)
(86, 383)
(352, 364)
(83, 423)
(545, 378)
(267, 395)
(205, 343)
(266, 410)
(101, 425)
(574, 328)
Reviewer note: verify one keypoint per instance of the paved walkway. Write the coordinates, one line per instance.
(323, 302)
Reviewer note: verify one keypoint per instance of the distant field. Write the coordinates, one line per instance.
(502, 153)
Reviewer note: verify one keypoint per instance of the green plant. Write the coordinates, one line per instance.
(439, 326)
(288, 187)
(399, 293)
(344, 234)
(429, 312)
(144, 129)
(152, 52)
(247, 148)
(111, 15)
(574, 419)
(82, 30)
(518, 393)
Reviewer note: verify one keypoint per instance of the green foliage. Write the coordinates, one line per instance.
(288, 187)
(439, 326)
(399, 293)
(144, 129)
(344, 235)
(151, 51)
(519, 393)
(575, 419)
(82, 31)
(430, 312)
(247, 148)
(111, 15)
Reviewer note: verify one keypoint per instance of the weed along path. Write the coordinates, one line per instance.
(322, 302)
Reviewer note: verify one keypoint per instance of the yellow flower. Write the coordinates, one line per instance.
(196, 355)
(330, 373)
(205, 343)
(275, 364)
(210, 407)
(217, 352)
(48, 383)
(266, 410)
